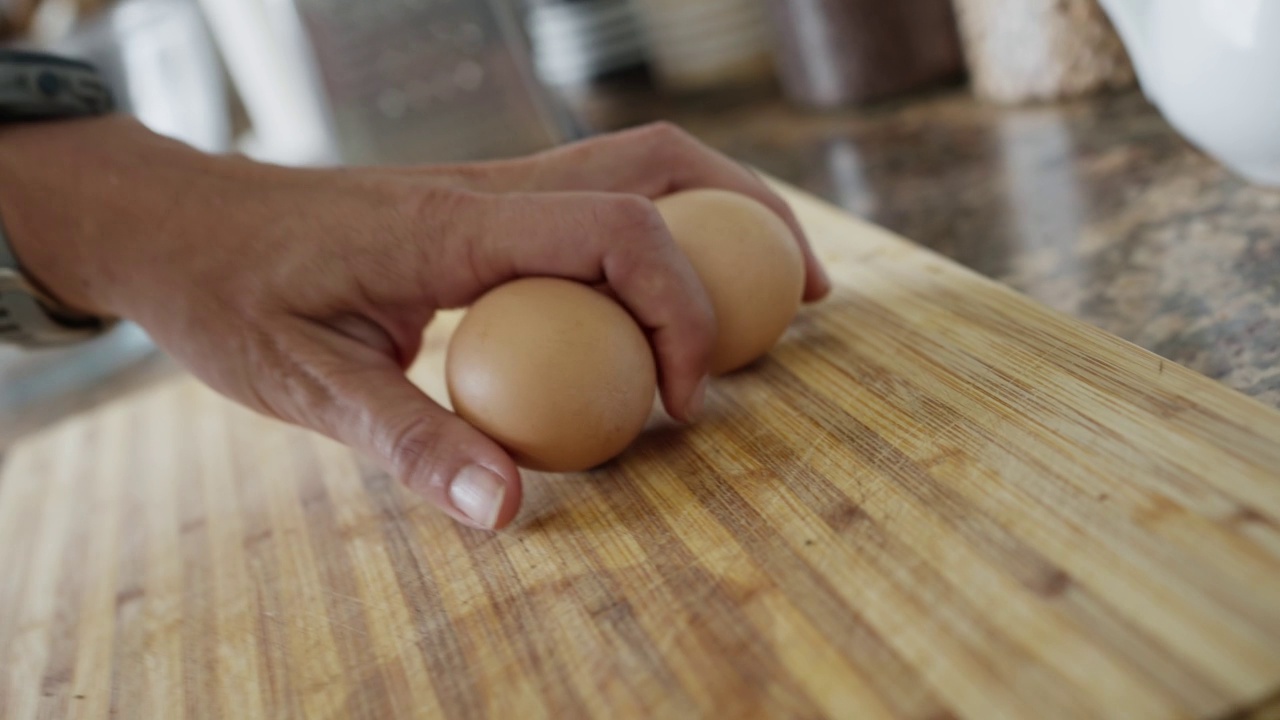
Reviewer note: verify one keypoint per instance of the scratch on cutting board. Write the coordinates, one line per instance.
(300, 614)
(808, 454)
(889, 460)
(381, 607)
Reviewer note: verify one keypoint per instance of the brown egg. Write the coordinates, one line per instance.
(749, 262)
(557, 373)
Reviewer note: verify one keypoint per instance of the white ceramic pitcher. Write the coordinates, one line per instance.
(1213, 69)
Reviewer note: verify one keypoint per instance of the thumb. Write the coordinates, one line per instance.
(374, 408)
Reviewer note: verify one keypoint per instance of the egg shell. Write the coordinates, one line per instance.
(750, 263)
(554, 371)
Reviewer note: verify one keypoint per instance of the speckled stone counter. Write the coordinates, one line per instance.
(1095, 208)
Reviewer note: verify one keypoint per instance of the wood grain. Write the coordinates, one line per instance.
(935, 499)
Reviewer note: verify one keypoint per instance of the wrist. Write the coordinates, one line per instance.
(75, 198)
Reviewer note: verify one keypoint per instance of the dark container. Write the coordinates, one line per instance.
(839, 52)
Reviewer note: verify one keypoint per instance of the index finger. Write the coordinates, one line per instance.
(654, 161)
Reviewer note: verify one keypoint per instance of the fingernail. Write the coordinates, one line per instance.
(699, 400)
(478, 493)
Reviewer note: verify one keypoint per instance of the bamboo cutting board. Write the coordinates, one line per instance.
(936, 499)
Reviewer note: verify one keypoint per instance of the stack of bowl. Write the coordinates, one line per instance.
(708, 43)
(575, 41)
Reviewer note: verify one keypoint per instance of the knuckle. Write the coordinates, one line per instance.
(665, 132)
(468, 176)
(417, 449)
(637, 219)
(470, 250)
(429, 208)
(643, 256)
(667, 139)
(446, 230)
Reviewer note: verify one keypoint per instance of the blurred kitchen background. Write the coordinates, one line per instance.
(1000, 132)
(405, 81)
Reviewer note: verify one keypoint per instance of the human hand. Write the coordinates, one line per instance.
(304, 293)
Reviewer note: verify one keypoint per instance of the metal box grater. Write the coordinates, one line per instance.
(411, 81)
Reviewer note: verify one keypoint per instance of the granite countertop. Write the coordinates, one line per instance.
(1096, 208)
